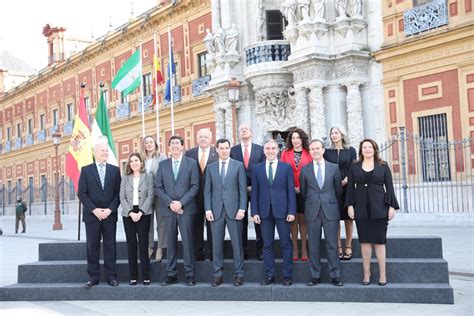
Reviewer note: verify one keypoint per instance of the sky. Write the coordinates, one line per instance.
(22, 22)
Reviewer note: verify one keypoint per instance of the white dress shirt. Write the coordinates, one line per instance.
(323, 169)
(226, 165)
(249, 148)
(274, 168)
(136, 182)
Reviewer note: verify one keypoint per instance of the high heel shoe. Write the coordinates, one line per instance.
(347, 256)
(382, 283)
(158, 255)
(341, 255)
(366, 282)
(146, 282)
(133, 282)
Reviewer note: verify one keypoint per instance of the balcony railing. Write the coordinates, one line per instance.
(68, 127)
(17, 144)
(176, 95)
(53, 129)
(148, 104)
(123, 110)
(199, 85)
(267, 51)
(29, 140)
(8, 146)
(41, 136)
(425, 17)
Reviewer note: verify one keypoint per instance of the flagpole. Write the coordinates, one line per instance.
(141, 94)
(156, 91)
(170, 74)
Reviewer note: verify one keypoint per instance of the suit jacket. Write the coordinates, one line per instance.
(230, 195)
(92, 195)
(327, 196)
(376, 192)
(256, 156)
(183, 189)
(145, 193)
(194, 154)
(288, 156)
(280, 197)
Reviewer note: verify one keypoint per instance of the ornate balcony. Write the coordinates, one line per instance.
(53, 129)
(200, 84)
(68, 127)
(148, 104)
(123, 110)
(29, 140)
(176, 95)
(18, 143)
(8, 146)
(267, 51)
(425, 17)
(41, 136)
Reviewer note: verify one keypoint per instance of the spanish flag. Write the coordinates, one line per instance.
(80, 149)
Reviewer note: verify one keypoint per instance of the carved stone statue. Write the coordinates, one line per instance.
(219, 41)
(303, 10)
(341, 6)
(318, 6)
(260, 20)
(209, 42)
(354, 8)
(288, 9)
(231, 39)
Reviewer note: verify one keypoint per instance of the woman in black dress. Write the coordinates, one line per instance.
(343, 155)
(371, 200)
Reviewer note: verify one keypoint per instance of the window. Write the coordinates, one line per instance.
(42, 122)
(19, 187)
(420, 2)
(87, 102)
(44, 188)
(31, 189)
(9, 192)
(146, 84)
(275, 25)
(202, 70)
(55, 117)
(18, 130)
(9, 136)
(30, 126)
(70, 112)
(124, 98)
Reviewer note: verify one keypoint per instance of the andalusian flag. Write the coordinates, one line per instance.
(80, 149)
(101, 127)
(128, 78)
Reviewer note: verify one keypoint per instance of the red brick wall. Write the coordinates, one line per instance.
(104, 68)
(69, 87)
(30, 105)
(54, 94)
(19, 110)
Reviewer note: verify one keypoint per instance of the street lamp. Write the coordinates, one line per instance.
(57, 212)
(233, 93)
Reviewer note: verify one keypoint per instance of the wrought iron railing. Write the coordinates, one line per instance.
(123, 110)
(41, 136)
(200, 84)
(68, 127)
(425, 17)
(148, 104)
(29, 140)
(18, 143)
(8, 146)
(267, 51)
(176, 95)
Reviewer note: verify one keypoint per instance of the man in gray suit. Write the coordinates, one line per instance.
(225, 200)
(320, 185)
(177, 184)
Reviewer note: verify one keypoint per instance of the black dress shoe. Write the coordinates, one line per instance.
(113, 282)
(170, 280)
(218, 281)
(238, 281)
(287, 281)
(146, 282)
(246, 256)
(337, 282)
(90, 284)
(259, 255)
(133, 282)
(190, 281)
(314, 281)
(268, 281)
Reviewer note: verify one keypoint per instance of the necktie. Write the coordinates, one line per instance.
(246, 156)
(202, 161)
(270, 173)
(102, 174)
(319, 176)
(223, 171)
(175, 169)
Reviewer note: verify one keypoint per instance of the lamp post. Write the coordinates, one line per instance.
(57, 212)
(233, 89)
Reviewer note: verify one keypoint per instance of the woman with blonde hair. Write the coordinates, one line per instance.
(152, 158)
(136, 197)
(343, 155)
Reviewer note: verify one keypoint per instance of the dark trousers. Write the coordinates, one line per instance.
(185, 225)
(268, 233)
(198, 232)
(245, 233)
(18, 218)
(140, 230)
(94, 231)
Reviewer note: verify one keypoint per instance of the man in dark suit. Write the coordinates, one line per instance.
(250, 154)
(274, 203)
(225, 200)
(320, 185)
(204, 154)
(98, 191)
(177, 184)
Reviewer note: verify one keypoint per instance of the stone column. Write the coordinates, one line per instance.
(317, 113)
(220, 123)
(355, 123)
(228, 123)
(302, 113)
(216, 14)
(226, 14)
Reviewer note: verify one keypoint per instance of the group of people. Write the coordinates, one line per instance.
(305, 191)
